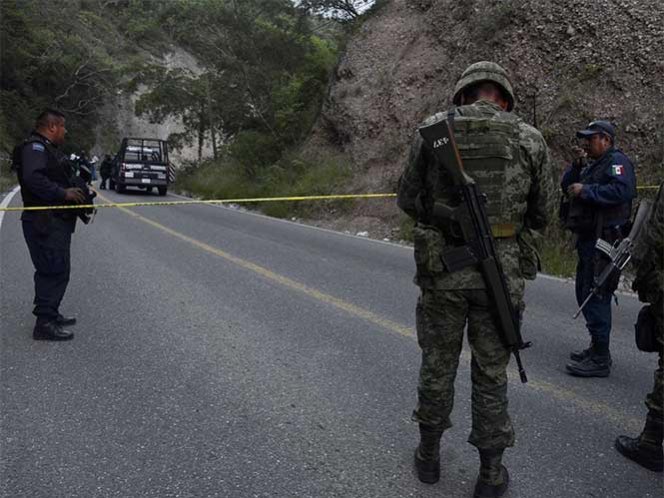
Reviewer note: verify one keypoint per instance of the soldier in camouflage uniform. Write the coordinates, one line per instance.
(646, 449)
(509, 160)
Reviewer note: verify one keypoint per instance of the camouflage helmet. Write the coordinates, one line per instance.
(484, 71)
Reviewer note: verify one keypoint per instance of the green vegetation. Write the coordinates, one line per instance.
(494, 18)
(291, 175)
(262, 79)
(590, 72)
(7, 177)
(263, 68)
(557, 252)
(406, 225)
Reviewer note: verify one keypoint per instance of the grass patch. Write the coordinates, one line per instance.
(8, 178)
(406, 225)
(557, 253)
(495, 18)
(292, 175)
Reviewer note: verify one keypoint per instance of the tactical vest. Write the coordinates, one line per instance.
(488, 142)
(57, 169)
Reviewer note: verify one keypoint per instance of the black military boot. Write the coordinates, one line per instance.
(49, 330)
(581, 354)
(646, 450)
(64, 321)
(494, 478)
(597, 364)
(427, 455)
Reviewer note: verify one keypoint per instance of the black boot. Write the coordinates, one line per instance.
(63, 321)
(581, 354)
(427, 455)
(494, 478)
(597, 364)
(49, 330)
(646, 450)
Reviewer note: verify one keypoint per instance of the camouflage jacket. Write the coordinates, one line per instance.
(649, 254)
(526, 191)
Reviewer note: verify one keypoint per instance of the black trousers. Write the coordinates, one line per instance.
(49, 246)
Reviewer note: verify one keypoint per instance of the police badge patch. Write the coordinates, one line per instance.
(617, 169)
(38, 146)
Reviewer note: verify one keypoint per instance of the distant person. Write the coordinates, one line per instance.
(519, 185)
(600, 185)
(646, 449)
(105, 171)
(44, 176)
(83, 162)
(93, 167)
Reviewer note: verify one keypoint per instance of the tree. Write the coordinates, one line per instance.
(345, 10)
(52, 64)
(264, 73)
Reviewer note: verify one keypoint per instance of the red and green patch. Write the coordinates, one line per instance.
(617, 170)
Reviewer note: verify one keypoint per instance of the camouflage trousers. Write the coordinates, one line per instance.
(654, 399)
(441, 317)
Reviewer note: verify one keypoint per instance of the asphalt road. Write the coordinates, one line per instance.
(220, 353)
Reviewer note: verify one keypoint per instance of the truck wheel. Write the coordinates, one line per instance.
(163, 190)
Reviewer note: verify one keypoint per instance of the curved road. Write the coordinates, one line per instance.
(221, 353)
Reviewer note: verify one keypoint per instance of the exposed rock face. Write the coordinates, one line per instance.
(120, 114)
(570, 61)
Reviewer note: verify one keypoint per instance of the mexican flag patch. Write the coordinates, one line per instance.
(617, 170)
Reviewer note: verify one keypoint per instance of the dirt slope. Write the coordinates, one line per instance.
(571, 61)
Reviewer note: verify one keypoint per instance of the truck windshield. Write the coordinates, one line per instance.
(145, 151)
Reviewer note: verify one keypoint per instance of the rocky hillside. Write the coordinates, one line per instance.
(119, 119)
(571, 61)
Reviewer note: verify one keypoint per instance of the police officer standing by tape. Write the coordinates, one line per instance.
(105, 171)
(600, 193)
(44, 176)
(646, 449)
(509, 161)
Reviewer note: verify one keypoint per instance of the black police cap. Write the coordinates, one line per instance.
(596, 127)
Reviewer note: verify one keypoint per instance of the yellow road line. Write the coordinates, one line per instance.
(630, 424)
(285, 281)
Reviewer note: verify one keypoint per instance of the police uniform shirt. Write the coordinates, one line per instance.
(35, 163)
(608, 182)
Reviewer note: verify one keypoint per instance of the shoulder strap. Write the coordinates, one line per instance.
(450, 117)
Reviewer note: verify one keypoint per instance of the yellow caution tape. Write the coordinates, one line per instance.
(224, 201)
(214, 201)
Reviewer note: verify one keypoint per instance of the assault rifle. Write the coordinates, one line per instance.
(471, 224)
(618, 254)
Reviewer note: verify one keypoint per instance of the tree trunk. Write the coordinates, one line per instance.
(213, 132)
(201, 134)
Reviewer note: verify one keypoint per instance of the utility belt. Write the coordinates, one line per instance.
(587, 220)
(458, 253)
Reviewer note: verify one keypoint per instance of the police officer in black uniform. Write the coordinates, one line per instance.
(600, 186)
(105, 171)
(44, 176)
